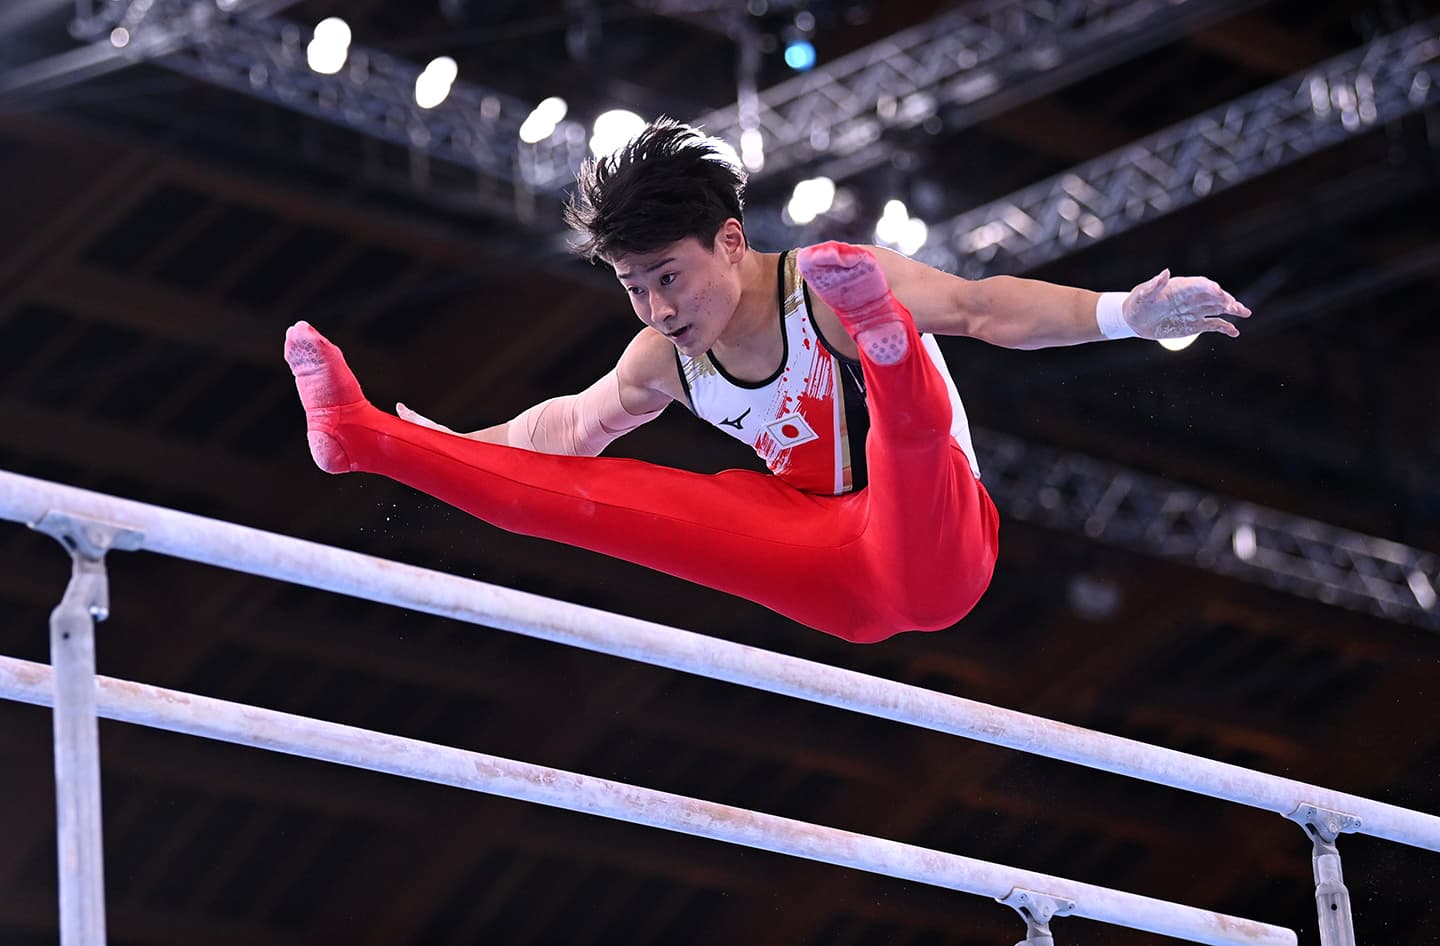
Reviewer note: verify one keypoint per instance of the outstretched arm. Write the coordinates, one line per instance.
(581, 424)
(1027, 313)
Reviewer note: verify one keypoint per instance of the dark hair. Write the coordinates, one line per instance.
(666, 184)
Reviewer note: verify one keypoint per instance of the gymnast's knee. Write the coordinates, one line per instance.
(940, 602)
(916, 610)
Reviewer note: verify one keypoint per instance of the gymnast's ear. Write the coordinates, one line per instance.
(731, 238)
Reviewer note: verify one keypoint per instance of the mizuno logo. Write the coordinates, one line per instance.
(737, 423)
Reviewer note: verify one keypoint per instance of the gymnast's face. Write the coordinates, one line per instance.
(684, 291)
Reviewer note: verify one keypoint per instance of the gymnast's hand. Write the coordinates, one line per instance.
(1180, 306)
(406, 413)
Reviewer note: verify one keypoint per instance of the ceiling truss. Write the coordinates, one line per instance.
(948, 60)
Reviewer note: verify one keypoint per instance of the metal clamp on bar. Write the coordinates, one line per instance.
(87, 541)
(1332, 899)
(77, 736)
(1037, 909)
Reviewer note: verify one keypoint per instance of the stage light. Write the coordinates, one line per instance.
(542, 121)
(800, 55)
(433, 85)
(328, 50)
(613, 130)
(898, 229)
(810, 199)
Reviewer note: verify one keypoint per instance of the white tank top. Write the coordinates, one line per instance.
(808, 420)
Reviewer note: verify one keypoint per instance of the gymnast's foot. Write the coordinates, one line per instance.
(850, 281)
(327, 390)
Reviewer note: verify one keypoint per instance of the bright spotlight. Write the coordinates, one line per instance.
(542, 122)
(912, 236)
(800, 55)
(810, 199)
(327, 52)
(613, 130)
(892, 222)
(552, 110)
(898, 229)
(333, 30)
(433, 85)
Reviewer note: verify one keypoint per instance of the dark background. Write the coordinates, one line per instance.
(159, 233)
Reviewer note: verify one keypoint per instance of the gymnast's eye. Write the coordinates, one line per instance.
(668, 278)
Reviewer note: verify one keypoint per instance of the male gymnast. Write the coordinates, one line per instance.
(872, 519)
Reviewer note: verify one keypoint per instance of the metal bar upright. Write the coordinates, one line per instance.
(79, 841)
(1332, 898)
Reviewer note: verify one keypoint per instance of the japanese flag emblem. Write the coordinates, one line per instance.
(791, 431)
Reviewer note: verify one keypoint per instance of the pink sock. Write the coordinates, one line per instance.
(850, 281)
(327, 388)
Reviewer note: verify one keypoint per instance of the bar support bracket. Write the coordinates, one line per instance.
(77, 735)
(1037, 909)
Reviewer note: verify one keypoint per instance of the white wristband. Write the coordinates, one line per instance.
(1110, 317)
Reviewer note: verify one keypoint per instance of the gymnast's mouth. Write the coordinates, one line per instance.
(678, 333)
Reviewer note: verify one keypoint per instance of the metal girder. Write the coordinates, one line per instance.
(476, 127)
(1118, 506)
(1380, 82)
(972, 63)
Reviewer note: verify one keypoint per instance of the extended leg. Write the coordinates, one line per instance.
(745, 533)
(930, 541)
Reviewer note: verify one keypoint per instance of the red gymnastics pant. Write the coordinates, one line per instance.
(914, 550)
